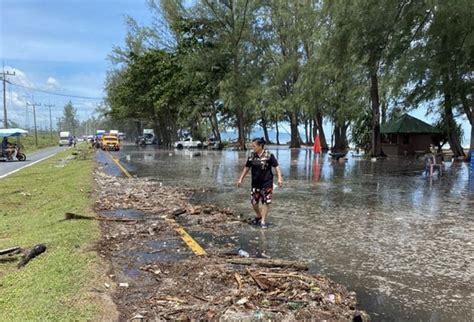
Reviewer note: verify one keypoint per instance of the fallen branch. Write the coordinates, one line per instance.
(37, 250)
(278, 275)
(9, 250)
(171, 299)
(266, 262)
(260, 284)
(72, 216)
(238, 278)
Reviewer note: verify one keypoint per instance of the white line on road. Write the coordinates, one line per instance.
(28, 165)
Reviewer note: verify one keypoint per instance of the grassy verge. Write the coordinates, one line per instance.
(29, 141)
(55, 285)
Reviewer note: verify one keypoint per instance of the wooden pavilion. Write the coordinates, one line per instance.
(407, 135)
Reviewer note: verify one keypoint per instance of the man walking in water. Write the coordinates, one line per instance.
(261, 162)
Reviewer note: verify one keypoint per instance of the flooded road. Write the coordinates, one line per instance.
(403, 242)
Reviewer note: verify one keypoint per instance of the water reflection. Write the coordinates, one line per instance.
(401, 240)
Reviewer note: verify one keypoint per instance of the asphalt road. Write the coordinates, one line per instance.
(9, 167)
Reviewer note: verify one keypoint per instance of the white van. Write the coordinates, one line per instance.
(64, 138)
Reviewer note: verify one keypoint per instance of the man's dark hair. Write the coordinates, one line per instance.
(260, 141)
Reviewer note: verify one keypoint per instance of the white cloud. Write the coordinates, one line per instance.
(52, 84)
(19, 78)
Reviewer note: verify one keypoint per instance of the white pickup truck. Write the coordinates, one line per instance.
(187, 143)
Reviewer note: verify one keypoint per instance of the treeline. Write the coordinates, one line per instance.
(241, 63)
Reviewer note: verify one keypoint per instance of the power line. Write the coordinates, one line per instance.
(57, 94)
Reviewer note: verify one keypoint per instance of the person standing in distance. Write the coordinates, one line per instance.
(261, 162)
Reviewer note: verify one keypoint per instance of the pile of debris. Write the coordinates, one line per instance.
(211, 288)
(221, 285)
(158, 201)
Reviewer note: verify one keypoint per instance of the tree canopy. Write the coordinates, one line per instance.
(239, 63)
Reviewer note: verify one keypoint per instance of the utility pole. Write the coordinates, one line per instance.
(50, 120)
(4, 80)
(34, 118)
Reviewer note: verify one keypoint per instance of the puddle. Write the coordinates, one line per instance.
(108, 165)
(171, 250)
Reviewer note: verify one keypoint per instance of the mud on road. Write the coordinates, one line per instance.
(156, 276)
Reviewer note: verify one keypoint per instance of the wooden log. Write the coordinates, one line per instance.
(9, 250)
(267, 262)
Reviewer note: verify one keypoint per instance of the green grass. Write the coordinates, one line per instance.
(29, 142)
(56, 284)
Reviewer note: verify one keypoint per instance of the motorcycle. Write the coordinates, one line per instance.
(20, 155)
(141, 141)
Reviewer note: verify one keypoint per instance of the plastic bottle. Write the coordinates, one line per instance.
(243, 253)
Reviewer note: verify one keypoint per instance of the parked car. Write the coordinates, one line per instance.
(109, 142)
(187, 143)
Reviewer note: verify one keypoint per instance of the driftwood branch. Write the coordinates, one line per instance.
(37, 250)
(266, 262)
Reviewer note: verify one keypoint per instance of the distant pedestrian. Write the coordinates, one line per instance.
(261, 162)
(74, 141)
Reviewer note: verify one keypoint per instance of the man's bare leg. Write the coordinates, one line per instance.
(257, 211)
(264, 213)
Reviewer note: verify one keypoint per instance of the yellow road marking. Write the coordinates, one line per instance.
(189, 241)
(117, 162)
(192, 244)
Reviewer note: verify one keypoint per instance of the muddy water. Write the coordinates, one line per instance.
(402, 241)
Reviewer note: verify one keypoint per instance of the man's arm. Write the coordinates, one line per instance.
(242, 176)
(280, 177)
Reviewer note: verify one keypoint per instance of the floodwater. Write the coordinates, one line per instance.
(402, 241)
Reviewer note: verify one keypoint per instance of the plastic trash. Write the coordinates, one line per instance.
(243, 253)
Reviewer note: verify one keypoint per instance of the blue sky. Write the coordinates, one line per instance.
(62, 46)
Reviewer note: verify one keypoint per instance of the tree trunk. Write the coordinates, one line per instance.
(318, 120)
(345, 142)
(340, 139)
(215, 124)
(277, 133)
(306, 131)
(295, 135)
(374, 97)
(384, 112)
(470, 116)
(471, 146)
(241, 129)
(264, 124)
(453, 138)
